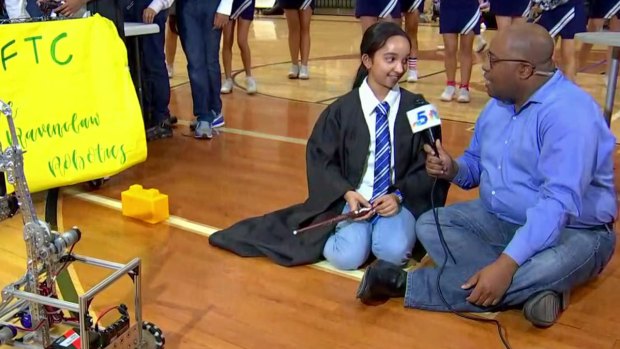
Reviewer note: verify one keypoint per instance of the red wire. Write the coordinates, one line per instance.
(105, 312)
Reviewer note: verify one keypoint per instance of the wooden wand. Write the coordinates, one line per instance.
(343, 217)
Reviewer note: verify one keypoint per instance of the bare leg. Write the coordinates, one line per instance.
(243, 28)
(450, 42)
(568, 59)
(594, 25)
(292, 19)
(466, 57)
(503, 22)
(367, 22)
(305, 18)
(411, 24)
(228, 36)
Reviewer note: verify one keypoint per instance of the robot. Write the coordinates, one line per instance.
(31, 314)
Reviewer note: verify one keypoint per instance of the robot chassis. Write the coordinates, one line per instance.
(32, 300)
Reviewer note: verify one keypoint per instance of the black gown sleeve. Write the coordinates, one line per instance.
(325, 158)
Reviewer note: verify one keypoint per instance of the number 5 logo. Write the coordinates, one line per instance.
(422, 118)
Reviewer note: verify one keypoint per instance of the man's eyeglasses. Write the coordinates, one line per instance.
(493, 60)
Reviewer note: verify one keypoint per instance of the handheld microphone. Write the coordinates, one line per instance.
(422, 119)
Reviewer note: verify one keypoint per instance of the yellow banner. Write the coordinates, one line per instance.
(74, 103)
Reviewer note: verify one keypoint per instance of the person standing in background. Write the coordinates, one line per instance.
(242, 15)
(459, 23)
(508, 12)
(412, 10)
(298, 15)
(156, 84)
(200, 29)
(370, 12)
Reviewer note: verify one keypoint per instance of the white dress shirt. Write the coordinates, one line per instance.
(369, 103)
(158, 5)
(16, 9)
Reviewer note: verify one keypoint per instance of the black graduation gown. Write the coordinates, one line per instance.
(336, 155)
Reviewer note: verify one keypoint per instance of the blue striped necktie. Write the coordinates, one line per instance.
(383, 154)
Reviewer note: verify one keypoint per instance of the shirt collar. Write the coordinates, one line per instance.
(370, 101)
(543, 91)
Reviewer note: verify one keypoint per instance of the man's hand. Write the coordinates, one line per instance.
(70, 7)
(357, 201)
(220, 20)
(148, 15)
(386, 205)
(491, 282)
(440, 165)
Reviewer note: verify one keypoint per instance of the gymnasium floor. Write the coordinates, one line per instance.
(203, 297)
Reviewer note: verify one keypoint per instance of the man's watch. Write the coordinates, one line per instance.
(399, 196)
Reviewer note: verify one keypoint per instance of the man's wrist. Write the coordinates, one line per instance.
(506, 262)
(455, 170)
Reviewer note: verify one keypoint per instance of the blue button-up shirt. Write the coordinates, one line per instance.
(546, 167)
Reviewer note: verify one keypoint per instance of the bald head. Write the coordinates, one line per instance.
(527, 41)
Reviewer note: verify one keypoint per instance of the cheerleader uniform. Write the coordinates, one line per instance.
(565, 20)
(510, 8)
(605, 9)
(459, 17)
(409, 6)
(243, 9)
(377, 8)
(296, 4)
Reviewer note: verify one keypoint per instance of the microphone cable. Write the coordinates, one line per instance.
(446, 250)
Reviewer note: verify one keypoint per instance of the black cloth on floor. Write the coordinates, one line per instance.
(336, 156)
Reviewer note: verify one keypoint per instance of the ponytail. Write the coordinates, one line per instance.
(362, 73)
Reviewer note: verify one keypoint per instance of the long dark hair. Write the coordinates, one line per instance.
(374, 38)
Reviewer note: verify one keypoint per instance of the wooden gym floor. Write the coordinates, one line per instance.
(203, 297)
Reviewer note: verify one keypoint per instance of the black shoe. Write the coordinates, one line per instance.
(544, 308)
(382, 281)
(163, 130)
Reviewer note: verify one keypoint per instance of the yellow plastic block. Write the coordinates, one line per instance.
(148, 205)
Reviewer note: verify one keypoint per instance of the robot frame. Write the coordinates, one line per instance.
(33, 302)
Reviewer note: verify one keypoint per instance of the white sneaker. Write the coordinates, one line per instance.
(250, 85)
(170, 70)
(227, 86)
(463, 95)
(293, 73)
(479, 44)
(412, 76)
(303, 72)
(448, 93)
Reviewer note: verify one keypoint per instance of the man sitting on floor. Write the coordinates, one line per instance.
(542, 156)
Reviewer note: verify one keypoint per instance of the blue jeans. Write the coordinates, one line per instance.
(201, 44)
(390, 238)
(476, 238)
(156, 82)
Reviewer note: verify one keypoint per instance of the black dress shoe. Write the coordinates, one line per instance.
(544, 308)
(382, 281)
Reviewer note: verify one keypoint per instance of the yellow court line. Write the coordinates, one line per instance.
(254, 134)
(198, 228)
